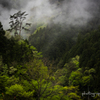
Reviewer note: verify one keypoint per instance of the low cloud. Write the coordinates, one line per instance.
(69, 12)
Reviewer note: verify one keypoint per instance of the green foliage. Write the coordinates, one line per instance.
(60, 76)
(92, 71)
(75, 78)
(74, 96)
(3, 84)
(88, 49)
(86, 80)
(12, 80)
(38, 29)
(18, 52)
(73, 64)
(12, 70)
(18, 92)
(72, 92)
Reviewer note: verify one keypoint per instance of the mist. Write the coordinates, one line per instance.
(69, 12)
(73, 12)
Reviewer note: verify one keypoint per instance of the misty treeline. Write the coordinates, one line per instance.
(56, 62)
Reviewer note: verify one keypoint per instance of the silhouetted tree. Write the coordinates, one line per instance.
(16, 22)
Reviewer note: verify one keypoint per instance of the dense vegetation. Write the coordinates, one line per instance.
(73, 52)
(24, 76)
(57, 62)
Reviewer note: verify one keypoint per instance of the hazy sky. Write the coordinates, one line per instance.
(71, 12)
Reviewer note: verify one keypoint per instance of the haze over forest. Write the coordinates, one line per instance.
(56, 56)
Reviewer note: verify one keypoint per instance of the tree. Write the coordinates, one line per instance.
(2, 32)
(43, 84)
(3, 41)
(17, 92)
(75, 78)
(16, 22)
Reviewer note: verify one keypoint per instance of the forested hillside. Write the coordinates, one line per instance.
(23, 75)
(59, 60)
